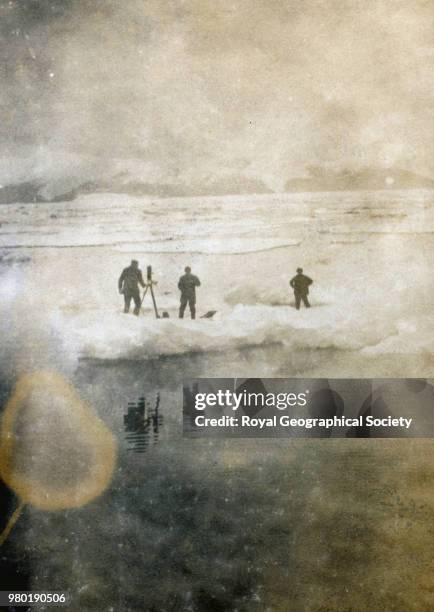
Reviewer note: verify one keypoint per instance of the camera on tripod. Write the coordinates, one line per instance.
(150, 285)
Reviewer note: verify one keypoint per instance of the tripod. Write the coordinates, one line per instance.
(149, 285)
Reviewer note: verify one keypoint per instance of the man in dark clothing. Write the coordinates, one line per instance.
(129, 285)
(300, 283)
(187, 285)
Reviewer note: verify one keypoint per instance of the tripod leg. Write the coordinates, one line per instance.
(155, 303)
(144, 293)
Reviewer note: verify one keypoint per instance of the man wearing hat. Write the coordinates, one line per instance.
(300, 283)
(129, 285)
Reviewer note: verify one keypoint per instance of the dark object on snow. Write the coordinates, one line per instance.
(300, 283)
(187, 285)
(165, 314)
(128, 285)
(209, 314)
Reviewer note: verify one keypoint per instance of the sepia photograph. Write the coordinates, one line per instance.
(237, 190)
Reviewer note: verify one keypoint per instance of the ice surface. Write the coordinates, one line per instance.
(369, 253)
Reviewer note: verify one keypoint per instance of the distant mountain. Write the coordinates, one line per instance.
(26, 193)
(317, 179)
(229, 185)
(322, 179)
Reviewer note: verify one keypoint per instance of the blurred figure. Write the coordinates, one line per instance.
(300, 283)
(128, 285)
(187, 285)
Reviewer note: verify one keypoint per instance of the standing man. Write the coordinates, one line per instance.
(129, 285)
(300, 283)
(187, 285)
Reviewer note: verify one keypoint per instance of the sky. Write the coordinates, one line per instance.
(193, 91)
